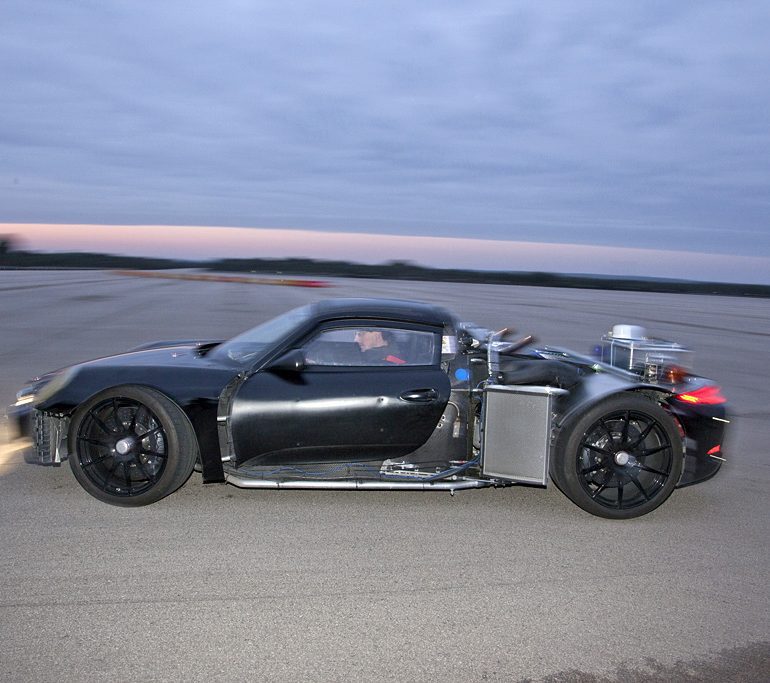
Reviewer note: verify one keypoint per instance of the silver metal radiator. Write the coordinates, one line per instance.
(516, 436)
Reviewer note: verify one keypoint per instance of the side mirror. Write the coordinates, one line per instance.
(291, 361)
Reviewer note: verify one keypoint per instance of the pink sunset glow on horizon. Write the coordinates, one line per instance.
(205, 243)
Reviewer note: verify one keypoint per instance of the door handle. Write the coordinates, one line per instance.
(419, 395)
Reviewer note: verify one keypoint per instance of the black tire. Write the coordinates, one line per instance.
(131, 446)
(620, 459)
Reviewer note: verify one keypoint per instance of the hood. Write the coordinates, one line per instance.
(165, 356)
(182, 372)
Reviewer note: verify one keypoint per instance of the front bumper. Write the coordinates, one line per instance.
(21, 420)
(50, 438)
(47, 432)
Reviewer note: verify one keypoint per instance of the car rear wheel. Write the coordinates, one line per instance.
(131, 446)
(620, 459)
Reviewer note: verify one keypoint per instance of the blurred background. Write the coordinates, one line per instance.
(619, 139)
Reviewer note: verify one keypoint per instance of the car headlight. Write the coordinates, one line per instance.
(23, 399)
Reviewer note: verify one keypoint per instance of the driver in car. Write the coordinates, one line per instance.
(376, 347)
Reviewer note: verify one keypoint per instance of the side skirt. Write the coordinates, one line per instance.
(360, 484)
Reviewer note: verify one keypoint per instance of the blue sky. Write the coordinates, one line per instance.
(628, 124)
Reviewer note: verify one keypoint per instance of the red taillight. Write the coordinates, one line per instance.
(710, 395)
(714, 451)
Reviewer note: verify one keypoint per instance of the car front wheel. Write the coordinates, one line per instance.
(131, 446)
(620, 459)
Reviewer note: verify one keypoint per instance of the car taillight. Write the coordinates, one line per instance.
(709, 395)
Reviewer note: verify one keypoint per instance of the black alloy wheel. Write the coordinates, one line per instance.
(131, 446)
(620, 459)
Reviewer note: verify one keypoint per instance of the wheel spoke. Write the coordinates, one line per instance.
(607, 431)
(95, 442)
(645, 433)
(111, 474)
(150, 433)
(593, 468)
(153, 454)
(638, 485)
(92, 414)
(620, 494)
(626, 426)
(149, 475)
(596, 449)
(644, 468)
(115, 416)
(127, 476)
(91, 463)
(599, 490)
(651, 451)
(135, 418)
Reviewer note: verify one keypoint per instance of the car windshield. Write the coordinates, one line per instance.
(250, 344)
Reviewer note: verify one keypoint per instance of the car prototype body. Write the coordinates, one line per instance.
(298, 402)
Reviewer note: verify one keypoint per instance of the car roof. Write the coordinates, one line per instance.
(384, 309)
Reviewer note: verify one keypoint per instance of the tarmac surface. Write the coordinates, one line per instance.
(217, 583)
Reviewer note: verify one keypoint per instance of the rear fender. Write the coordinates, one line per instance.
(595, 388)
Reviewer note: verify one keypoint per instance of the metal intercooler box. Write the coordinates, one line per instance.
(516, 436)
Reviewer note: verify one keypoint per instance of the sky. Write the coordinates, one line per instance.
(639, 127)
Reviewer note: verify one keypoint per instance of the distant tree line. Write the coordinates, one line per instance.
(7, 245)
(394, 270)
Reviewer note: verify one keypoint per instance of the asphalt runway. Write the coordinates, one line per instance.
(224, 584)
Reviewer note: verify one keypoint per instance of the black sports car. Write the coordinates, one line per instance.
(382, 394)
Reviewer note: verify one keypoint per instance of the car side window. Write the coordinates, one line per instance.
(370, 346)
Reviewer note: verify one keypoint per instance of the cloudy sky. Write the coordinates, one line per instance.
(628, 124)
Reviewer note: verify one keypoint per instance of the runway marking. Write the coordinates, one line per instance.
(242, 279)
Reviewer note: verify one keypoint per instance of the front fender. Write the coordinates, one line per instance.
(195, 392)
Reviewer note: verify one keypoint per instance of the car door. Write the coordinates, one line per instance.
(339, 405)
